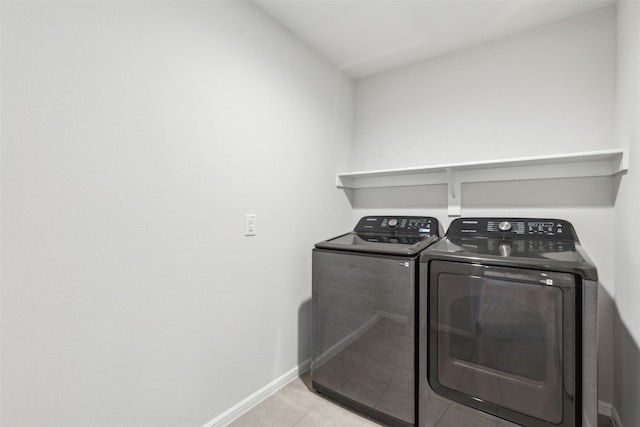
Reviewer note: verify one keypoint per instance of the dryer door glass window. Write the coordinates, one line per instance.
(502, 338)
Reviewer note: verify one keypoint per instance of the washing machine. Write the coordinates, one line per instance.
(507, 326)
(363, 315)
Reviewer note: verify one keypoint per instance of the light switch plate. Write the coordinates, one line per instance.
(250, 225)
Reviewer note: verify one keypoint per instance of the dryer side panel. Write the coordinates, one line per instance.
(590, 354)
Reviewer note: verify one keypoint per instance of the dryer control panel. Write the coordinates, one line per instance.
(522, 228)
(413, 225)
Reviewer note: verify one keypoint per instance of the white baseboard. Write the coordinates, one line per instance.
(617, 422)
(252, 401)
(604, 408)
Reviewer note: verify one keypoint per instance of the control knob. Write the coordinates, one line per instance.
(393, 222)
(505, 249)
(504, 226)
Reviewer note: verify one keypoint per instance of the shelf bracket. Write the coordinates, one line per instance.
(454, 193)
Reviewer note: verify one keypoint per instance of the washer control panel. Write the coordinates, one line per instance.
(415, 225)
(527, 228)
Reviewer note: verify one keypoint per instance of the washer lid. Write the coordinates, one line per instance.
(392, 235)
(378, 244)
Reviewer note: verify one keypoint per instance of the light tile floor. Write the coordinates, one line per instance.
(296, 404)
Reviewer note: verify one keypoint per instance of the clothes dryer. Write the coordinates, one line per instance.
(508, 324)
(363, 302)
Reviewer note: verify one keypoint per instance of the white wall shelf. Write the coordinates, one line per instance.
(574, 165)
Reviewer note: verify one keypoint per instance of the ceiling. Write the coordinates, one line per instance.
(365, 37)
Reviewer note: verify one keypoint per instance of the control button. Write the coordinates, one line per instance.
(393, 222)
(504, 226)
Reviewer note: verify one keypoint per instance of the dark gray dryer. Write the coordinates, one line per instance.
(363, 300)
(508, 323)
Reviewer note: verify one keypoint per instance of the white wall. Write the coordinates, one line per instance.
(544, 91)
(549, 90)
(135, 136)
(627, 234)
